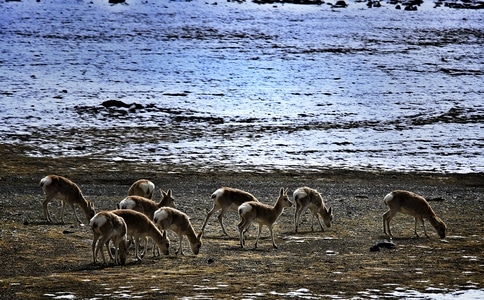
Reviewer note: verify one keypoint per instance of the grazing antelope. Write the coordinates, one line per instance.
(143, 188)
(68, 192)
(262, 214)
(411, 204)
(140, 226)
(226, 198)
(147, 207)
(106, 227)
(179, 222)
(310, 198)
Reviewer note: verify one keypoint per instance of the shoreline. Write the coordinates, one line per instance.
(16, 166)
(341, 253)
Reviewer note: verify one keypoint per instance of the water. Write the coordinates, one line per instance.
(245, 86)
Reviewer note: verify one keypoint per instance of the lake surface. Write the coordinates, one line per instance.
(241, 86)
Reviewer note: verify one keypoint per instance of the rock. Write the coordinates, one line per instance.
(121, 104)
(410, 8)
(386, 244)
(340, 4)
(374, 248)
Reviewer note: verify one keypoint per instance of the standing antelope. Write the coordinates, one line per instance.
(411, 204)
(310, 198)
(140, 226)
(106, 227)
(226, 198)
(68, 192)
(262, 214)
(147, 207)
(179, 222)
(143, 188)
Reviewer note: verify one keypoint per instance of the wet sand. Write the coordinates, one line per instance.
(54, 261)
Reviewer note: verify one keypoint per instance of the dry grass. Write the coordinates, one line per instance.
(40, 259)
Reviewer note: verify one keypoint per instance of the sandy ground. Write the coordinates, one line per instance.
(54, 260)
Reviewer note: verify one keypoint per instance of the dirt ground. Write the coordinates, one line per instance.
(41, 260)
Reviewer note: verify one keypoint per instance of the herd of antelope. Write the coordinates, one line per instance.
(137, 216)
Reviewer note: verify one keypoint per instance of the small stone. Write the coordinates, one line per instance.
(374, 248)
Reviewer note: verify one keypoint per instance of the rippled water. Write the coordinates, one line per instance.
(245, 86)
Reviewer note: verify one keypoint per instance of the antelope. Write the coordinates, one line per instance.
(143, 188)
(147, 206)
(106, 227)
(67, 191)
(262, 214)
(139, 226)
(307, 198)
(411, 204)
(226, 198)
(179, 222)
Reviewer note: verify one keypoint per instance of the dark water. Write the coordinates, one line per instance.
(245, 86)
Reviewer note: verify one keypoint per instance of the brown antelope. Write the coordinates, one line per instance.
(411, 204)
(61, 188)
(106, 227)
(140, 226)
(262, 214)
(226, 198)
(179, 222)
(147, 207)
(307, 198)
(143, 188)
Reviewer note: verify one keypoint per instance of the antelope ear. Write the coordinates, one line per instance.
(281, 192)
(169, 192)
(330, 210)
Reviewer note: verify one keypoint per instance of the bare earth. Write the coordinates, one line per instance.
(54, 261)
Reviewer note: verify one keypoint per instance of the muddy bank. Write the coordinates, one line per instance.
(54, 261)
